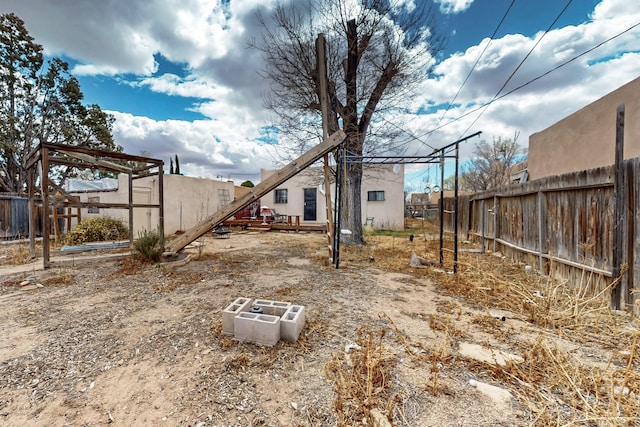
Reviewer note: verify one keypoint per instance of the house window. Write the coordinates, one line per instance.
(281, 196)
(94, 210)
(375, 196)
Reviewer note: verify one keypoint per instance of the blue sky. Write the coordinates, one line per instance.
(179, 79)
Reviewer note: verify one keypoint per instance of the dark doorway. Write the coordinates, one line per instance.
(310, 204)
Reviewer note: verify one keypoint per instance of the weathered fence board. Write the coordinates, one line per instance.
(562, 225)
(14, 217)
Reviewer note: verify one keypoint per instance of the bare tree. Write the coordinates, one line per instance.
(377, 53)
(491, 164)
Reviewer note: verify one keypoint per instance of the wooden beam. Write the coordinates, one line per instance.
(93, 160)
(321, 69)
(256, 192)
(618, 213)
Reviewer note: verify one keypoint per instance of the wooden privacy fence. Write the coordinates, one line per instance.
(564, 226)
(14, 217)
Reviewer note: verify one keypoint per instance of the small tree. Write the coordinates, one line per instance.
(247, 184)
(40, 101)
(177, 166)
(170, 166)
(491, 164)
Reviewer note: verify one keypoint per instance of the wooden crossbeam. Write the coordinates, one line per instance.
(256, 192)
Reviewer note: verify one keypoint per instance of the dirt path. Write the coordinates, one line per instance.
(114, 343)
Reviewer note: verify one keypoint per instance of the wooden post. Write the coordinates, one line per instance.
(321, 68)
(618, 213)
(44, 184)
(542, 231)
(130, 189)
(161, 203)
(32, 212)
(256, 192)
(495, 222)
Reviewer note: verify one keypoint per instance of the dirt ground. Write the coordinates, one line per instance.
(116, 342)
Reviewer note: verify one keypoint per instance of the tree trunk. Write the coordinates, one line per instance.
(351, 213)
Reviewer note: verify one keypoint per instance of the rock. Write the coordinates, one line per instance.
(416, 261)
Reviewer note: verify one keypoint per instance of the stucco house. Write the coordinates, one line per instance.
(304, 196)
(586, 138)
(187, 200)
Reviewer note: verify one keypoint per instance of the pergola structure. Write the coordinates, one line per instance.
(38, 164)
(450, 151)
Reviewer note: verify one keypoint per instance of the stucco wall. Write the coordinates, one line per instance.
(388, 214)
(187, 201)
(586, 138)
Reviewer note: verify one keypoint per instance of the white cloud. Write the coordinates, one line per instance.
(206, 148)
(454, 6)
(541, 103)
(113, 37)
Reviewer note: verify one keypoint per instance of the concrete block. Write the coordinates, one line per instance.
(229, 313)
(273, 308)
(292, 322)
(257, 328)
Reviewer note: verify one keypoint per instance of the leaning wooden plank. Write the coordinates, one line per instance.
(256, 192)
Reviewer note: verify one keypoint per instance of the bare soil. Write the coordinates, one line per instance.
(123, 343)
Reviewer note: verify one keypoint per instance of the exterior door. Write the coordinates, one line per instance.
(310, 198)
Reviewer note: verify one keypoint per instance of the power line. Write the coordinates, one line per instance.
(504, 16)
(521, 63)
(462, 116)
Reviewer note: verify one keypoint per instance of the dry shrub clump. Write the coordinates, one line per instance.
(362, 378)
(96, 229)
(557, 389)
(18, 255)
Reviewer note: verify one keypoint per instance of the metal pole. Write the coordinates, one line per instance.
(341, 161)
(441, 206)
(455, 213)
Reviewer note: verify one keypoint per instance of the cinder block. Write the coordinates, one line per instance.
(291, 323)
(272, 308)
(229, 314)
(257, 328)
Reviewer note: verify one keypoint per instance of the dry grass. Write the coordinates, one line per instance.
(18, 255)
(554, 386)
(362, 378)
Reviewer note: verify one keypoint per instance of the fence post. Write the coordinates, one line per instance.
(541, 231)
(482, 209)
(618, 213)
(495, 222)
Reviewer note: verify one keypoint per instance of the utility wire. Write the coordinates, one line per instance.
(519, 65)
(504, 16)
(536, 78)
(546, 73)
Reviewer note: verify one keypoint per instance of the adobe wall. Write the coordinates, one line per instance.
(586, 138)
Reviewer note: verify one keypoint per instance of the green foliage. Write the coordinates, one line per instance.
(247, 184)
(96, 229)
(177, 166)
(40, 101)
(149, 245)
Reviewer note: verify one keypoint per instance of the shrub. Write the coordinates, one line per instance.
(96, 229)
(149, 245)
